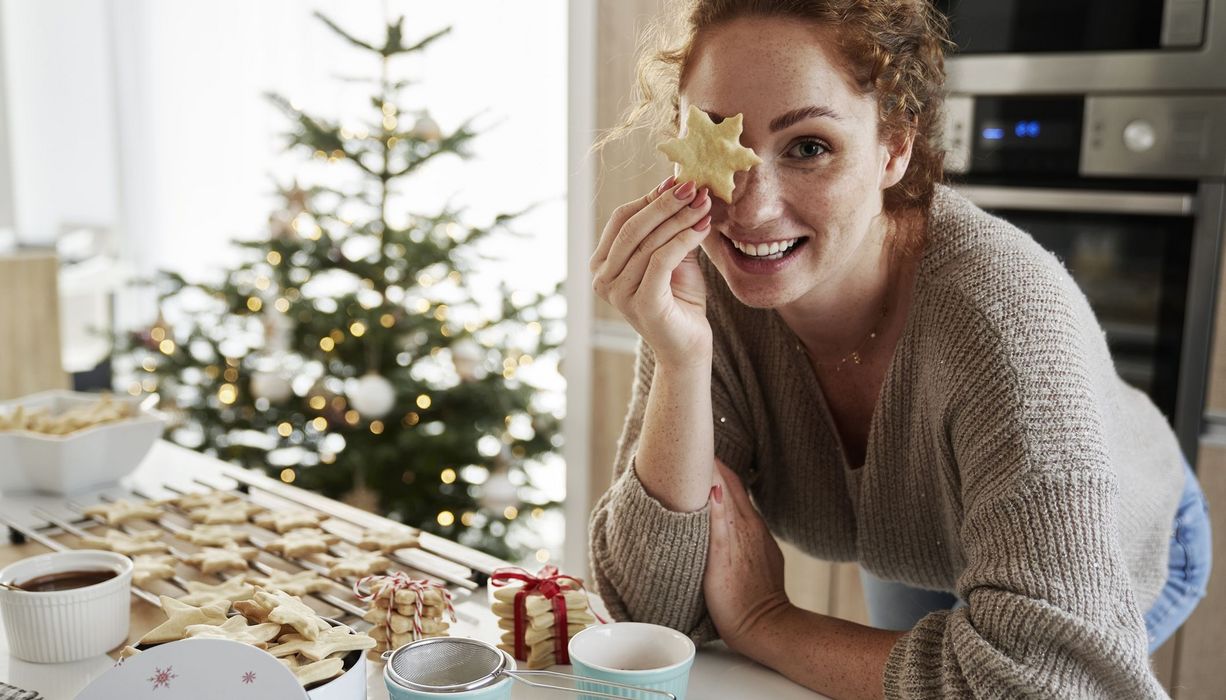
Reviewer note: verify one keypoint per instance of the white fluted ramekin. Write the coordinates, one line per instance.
(59, 626)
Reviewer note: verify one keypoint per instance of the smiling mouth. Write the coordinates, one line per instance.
(775, 250)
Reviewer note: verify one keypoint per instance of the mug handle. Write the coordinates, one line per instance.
(517, 676)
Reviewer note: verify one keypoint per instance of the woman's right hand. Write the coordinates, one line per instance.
(646, 266)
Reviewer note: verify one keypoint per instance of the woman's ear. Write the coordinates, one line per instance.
(897, 149)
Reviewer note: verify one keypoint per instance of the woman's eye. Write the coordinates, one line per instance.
(807, 149)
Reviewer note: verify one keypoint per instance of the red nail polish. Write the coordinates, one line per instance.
(703, 223)
(718, 494)
(700, 199)
(666, 184)
(685, 190)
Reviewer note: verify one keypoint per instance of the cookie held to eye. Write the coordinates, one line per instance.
(710, 154)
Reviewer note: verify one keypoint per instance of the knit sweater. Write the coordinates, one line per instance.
(1006, 462)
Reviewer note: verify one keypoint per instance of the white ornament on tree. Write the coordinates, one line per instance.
(467, 355)
(497, 493)
(426, 129)
(372, 395)
(272, 380)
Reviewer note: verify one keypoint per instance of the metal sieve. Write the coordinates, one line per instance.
(458, 664)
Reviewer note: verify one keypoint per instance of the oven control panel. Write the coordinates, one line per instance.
(1095, 136)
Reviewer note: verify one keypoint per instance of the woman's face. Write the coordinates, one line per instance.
(819, 187)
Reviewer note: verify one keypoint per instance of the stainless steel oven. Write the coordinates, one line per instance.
(1084, 46)
(1130, 193)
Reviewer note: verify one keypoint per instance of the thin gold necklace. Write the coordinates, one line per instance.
(855, 356)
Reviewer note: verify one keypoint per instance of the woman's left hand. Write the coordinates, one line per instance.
(743, 582)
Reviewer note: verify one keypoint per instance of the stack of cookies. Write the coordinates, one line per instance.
(404, 609)
(539, 614)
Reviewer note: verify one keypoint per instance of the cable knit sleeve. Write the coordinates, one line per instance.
(1050, 607)
(648, 561)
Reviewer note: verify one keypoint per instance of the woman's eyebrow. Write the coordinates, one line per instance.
(789, 118)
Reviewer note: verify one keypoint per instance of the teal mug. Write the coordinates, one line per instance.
(632, 653)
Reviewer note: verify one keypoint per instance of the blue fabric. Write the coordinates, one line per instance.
(897, 606)
(1189, 567)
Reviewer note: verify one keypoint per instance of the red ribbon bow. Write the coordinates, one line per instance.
(553, 586)
(395, 581)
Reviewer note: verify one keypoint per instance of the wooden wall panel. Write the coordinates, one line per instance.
(29, 325)
(612, 381)
(1199, 672)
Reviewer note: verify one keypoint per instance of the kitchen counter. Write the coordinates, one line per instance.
(717, 672)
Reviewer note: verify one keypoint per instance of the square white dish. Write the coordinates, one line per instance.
(88, 458)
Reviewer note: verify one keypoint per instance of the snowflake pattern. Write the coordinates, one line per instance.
(162, 678)
(249, 677)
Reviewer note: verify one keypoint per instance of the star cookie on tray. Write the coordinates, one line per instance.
(123, 511)
(283, 521)
(301, 542)
(211, 560)
(299, 583)
(145, 542)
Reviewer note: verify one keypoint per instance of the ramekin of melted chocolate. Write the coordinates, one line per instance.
(66, 580)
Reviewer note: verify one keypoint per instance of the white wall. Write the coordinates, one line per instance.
(60, 117)
(6, 181)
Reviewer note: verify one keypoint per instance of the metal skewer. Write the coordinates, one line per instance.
(478, 561)
(328, 598)
(458, 579)
(58, 547)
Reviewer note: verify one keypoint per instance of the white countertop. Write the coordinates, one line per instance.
(717, 673)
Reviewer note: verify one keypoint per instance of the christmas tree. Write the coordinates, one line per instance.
(348, 355)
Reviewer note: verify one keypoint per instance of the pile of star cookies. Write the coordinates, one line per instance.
(405, 610)
(80, 417)
(272, 620)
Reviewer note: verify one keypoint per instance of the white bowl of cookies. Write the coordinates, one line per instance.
(64, 442)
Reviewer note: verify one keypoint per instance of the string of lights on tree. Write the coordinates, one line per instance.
(347, 353)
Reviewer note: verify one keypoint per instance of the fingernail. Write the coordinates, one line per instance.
(717, 493)
(666, 184)
(684, 191)
(702, 223)
(700, 199)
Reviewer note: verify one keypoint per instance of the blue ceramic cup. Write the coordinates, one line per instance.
(632, 653)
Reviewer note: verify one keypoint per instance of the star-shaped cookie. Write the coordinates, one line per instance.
(179, 615)
(290, 610)
(213, 535)
(237, 629)
(299, 583)
(146, 542)
(152, 567)
(123, 511)
(234, 513)
(230, 590)
(285, 520)
(301, 542)
(710, 154)
(318, 671)
(211, 560)
(329, 642)
(388, 539)
(355, 564)
(203, 499)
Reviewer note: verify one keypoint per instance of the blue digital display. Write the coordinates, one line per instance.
(993, 133)
(1026, 129)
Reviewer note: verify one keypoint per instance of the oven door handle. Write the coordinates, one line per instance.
(1085, 201)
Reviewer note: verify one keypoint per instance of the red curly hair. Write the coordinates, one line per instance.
(893, 49)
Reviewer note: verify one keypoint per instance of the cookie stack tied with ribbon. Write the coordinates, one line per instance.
(539, 614)
(404, 609)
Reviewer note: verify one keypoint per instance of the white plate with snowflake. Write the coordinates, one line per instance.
(197, 669)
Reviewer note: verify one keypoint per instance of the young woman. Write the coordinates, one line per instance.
(892, 375)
